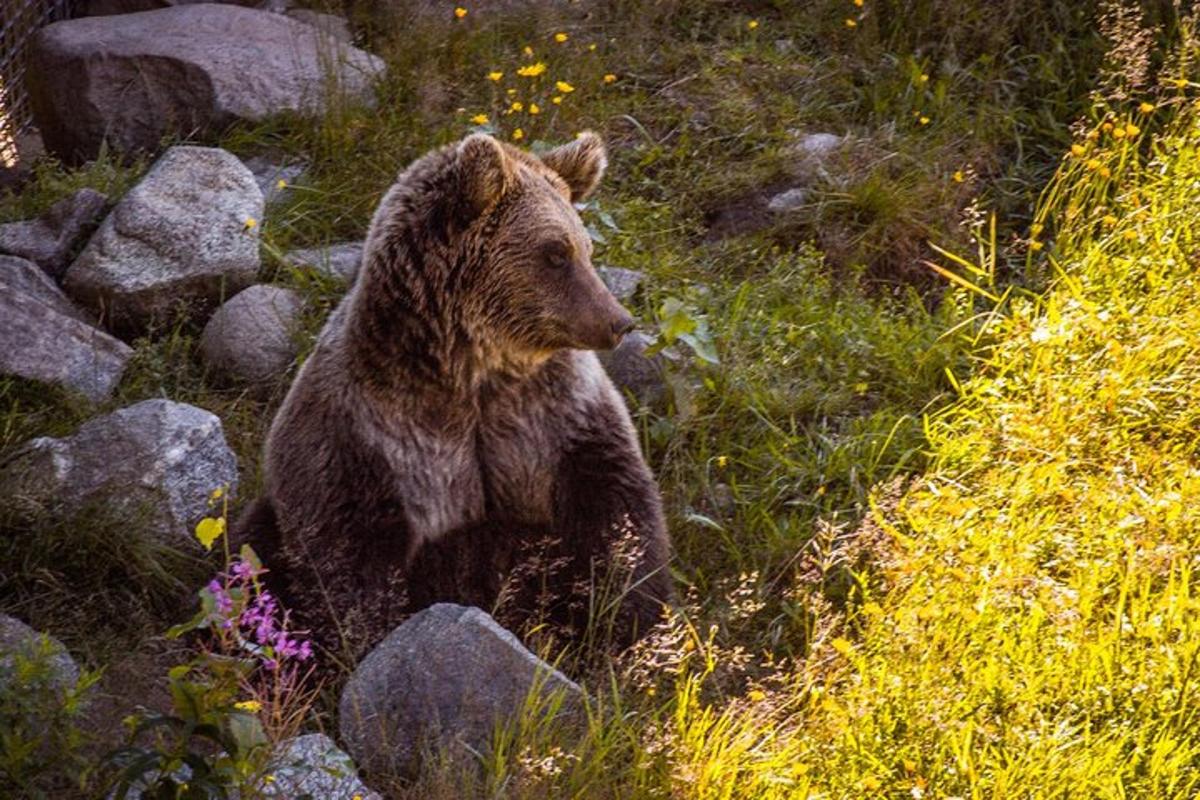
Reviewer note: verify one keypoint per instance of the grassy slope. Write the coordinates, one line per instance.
(983, 658)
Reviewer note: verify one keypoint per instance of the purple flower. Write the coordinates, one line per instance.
(220, 596)
(243, 570)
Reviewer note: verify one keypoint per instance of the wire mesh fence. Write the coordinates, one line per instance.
(18, 21)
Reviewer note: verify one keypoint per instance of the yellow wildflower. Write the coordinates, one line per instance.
(1093, 135)
(1034, 246)
(722, 461)
(557, 99)
(871, 783)
(517, 105)
(843, 646)
(1078, 150)
(460, 12)
(510, 92)
(1132, 130)
(252, 706)
(958, 176)
(518, 135)
(217, 494)
(561, 37)
(756, 695)
(1106, 127)
(1146, 108)
(495, 76)
(527, 50)
(924, 120)
(610, 78)
(860, 387)
(268, 778)
(858, 3)
(1181, 83)
(850, 23)
(564, 87)
(1110, 220)
(534, 109)
(532, 71)
(752, 24)
(1130, 235)
(1118, 133)
(480, 119)
(592, 47)
(1092, 164)
(208, 530)
(923, 79)
(281, 184)
(1105, 172)
(250, 224)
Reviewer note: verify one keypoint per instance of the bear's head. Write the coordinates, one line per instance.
(527, 276)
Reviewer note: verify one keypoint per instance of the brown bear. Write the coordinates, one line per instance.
(452, 437)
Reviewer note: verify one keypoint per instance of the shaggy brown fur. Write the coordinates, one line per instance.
(452, 423)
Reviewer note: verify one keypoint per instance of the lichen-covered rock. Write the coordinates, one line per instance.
(443, 680)
(153, 465)
(46, 338)
(50, 240)
(252, 337)
(18, 640)
(131, 79)
(312, 765)
(340, 260)
(182, 238)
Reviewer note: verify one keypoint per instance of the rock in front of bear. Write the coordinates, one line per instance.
(151, 467)
(252, 338)
(52, 238)
(442, 682)
(181, 239)
(46, 338)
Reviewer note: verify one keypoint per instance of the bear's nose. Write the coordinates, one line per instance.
(622, 326)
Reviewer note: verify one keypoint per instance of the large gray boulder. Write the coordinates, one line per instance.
(185, 236)
(340, 261)
(18, 640)
(98, 8)
(252, 338)
(50, 240)
(153, 465)
(443, 680)
(46, 338)
(132, 79)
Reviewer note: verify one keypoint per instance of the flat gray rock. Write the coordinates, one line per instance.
(19, 640)
(153, 464)
(623, 283)
(51, 239)
(252, 337)
(443, 679)
(789, 200)
(192, 70)
(46, 338)
(179, 239)
(340, 260)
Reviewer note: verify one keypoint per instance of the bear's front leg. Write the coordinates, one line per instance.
(608, 515)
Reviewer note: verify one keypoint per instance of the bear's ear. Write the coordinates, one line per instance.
(581, 164)
(485, 172)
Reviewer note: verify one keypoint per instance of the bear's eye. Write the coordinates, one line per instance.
(557, 256)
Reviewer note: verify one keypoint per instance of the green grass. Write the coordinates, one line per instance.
(1013, 618)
